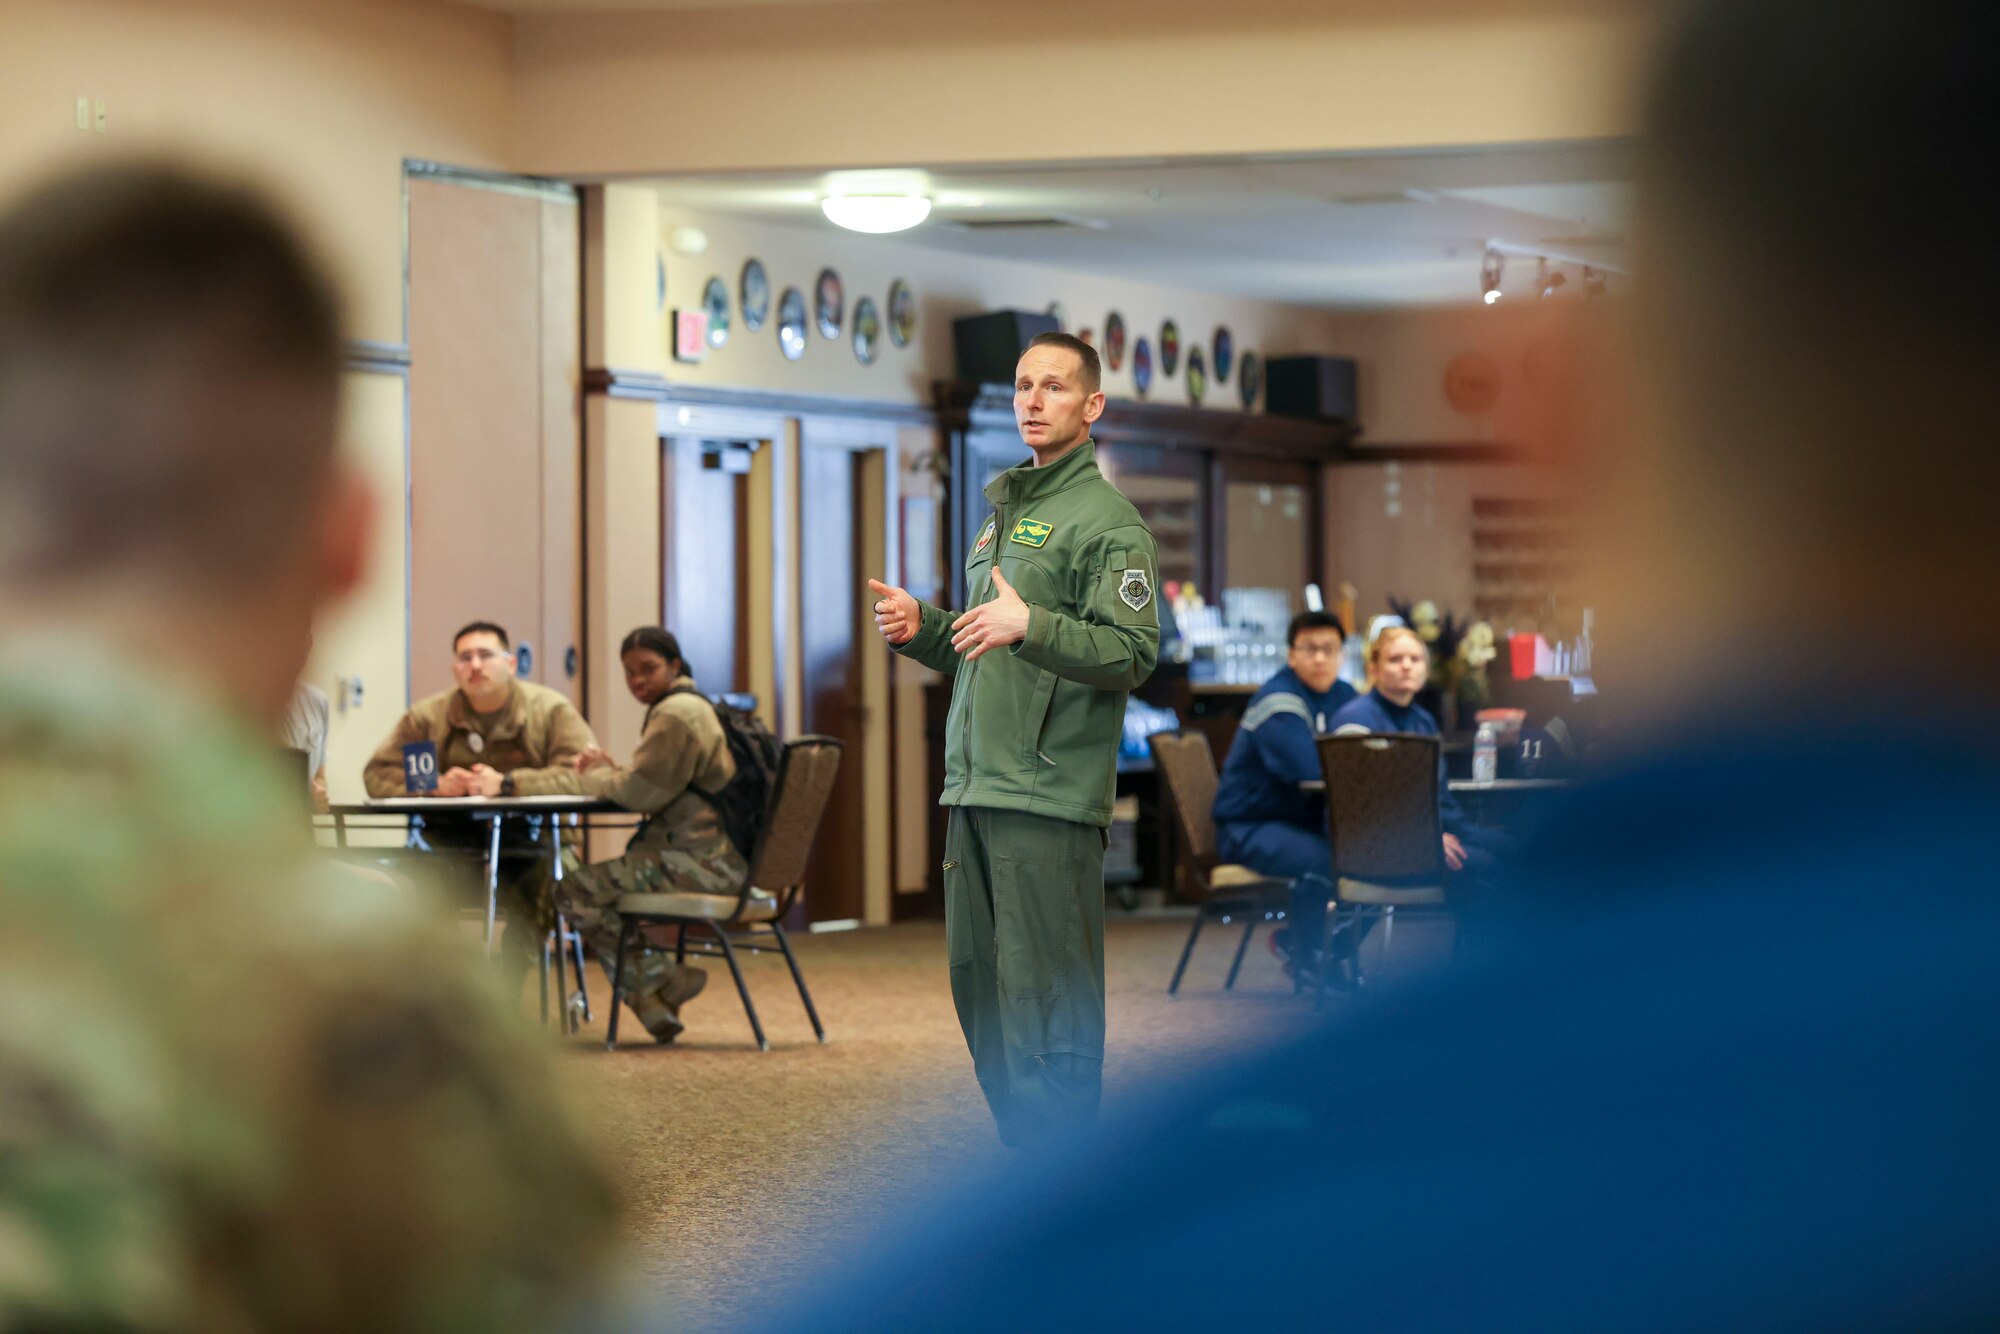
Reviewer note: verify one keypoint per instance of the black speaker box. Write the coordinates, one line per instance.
(1319, 388)
(988, 346)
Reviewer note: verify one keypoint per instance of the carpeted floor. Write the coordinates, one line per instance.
(744, 1169)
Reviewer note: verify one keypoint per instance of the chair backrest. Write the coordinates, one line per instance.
(1382, 795)
(806, 772)
(1186, 767)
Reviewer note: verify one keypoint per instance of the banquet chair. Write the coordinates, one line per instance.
(1225, 891)
(753, 917)
(1388, 837)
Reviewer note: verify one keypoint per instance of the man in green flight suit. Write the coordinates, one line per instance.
(1061, 580)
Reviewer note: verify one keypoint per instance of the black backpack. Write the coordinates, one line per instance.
(745, 801)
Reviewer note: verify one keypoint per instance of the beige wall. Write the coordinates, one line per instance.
(363, 637)
(323, 99)
(1403, 355)
(1405, 529)
(945, 285)
(929, 82)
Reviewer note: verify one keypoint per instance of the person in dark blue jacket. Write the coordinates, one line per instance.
(1262, 818)
(1399, 664)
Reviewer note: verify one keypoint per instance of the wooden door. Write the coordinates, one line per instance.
(830, 584)
(494, 427)
(706, 579)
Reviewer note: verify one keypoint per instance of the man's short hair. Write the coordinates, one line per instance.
(1312, 620)
(481, 628)
(170, 362)
(1093, 370)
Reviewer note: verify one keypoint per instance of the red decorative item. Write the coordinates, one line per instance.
(1521, 656)
(690, 335)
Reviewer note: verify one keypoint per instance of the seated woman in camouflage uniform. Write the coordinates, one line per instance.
(682, 754)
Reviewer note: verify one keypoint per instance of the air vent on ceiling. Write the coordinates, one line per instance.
(1048, 222)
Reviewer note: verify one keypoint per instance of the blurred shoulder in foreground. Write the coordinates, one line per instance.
(237, 1089)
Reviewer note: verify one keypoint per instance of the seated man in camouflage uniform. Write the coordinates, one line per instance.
(238, 1090)
(496, 736)
(682, 754)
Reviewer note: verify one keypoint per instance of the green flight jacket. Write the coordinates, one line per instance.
(1035, 727)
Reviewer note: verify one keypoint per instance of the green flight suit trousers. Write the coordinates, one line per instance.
(1024, 923)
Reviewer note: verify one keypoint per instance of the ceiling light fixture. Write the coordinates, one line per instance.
(1550, 279)
(875, 213)
(1489, 276)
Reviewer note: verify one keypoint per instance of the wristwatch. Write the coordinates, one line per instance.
(507, 785)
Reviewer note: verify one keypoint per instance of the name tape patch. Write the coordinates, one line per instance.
(1031, 532)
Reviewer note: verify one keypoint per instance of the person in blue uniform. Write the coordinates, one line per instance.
(1262, 818)
(1399, 665)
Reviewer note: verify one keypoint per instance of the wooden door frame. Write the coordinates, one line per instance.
(873, 444)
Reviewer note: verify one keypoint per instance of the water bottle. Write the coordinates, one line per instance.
(1486, 753)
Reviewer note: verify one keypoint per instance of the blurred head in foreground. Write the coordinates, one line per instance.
(169, 382)
(1816, 343)
(238, 1088)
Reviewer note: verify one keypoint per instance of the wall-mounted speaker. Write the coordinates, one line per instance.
(987, 347)
(1317, 388)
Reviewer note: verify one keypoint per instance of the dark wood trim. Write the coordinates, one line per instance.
(991, 407)
(1439, 453)
(375, 358)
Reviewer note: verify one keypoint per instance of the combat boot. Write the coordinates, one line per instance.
(660, 1010)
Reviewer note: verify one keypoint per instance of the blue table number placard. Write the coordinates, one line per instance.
(420, 766)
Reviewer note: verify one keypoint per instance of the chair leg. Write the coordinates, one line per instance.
(680, 945)
(618, 982)
(582, 986)
(1249, 927)
(1200, 916)
(742, 989)
(563, 1024)
(786, 945)
(1340, 918)
(544, 971)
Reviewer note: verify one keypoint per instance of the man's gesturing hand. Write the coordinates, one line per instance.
(993, 624)
(897, 615)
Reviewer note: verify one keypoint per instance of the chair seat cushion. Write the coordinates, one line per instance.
(699, 907)
(1390, 896)
(1229, 876)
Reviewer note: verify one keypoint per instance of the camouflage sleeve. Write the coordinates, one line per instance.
(431, 1160)
(931, 645)
(1113, 640)
(383, 774)
(568, 737)
(666, 762)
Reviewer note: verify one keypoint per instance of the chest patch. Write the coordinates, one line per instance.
(1031, 532)
(1134, 590)
(985, 538)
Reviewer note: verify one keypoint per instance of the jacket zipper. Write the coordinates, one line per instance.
(965, 732)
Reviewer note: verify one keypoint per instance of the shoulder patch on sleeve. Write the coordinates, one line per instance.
(1269, 707)
(1135, 589)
